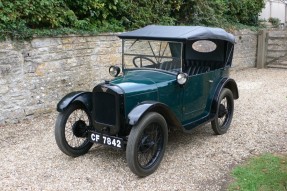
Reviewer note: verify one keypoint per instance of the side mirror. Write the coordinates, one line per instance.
(114, 71)
(181, 78)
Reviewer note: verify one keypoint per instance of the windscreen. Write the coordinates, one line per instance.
(144, 54)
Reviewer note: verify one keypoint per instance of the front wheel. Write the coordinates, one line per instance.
(224, 115)
(71, 128)
(146, 144)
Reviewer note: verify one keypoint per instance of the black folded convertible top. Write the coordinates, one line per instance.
(178, 33)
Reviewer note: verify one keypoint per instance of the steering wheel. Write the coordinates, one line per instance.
(141, 58)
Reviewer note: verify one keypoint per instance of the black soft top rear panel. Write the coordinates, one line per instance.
(178, 33)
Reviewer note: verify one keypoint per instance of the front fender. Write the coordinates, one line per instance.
(140, 110)
(83, 97)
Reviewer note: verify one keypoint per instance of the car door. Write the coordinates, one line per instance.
(195, 96)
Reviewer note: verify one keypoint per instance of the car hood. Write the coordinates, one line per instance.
(141, 81)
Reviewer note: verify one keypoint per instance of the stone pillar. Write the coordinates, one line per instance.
(262, 49)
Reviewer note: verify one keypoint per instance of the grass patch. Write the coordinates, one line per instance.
(265, 173)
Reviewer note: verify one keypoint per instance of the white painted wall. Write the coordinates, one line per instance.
(275, 9)
(266, 12)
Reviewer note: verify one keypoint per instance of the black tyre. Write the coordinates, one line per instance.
(70, 130)
(224, 115)
(146, 144)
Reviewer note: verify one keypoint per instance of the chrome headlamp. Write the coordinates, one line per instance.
(181, 78)
(114, 71)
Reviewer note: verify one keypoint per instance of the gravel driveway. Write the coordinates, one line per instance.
(31, 160)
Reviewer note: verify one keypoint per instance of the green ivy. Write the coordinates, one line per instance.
(244, 11)
(135, 14)
(25, 18)
(274, 21)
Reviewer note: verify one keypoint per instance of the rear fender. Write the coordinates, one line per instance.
(225, 83)
(140, 110)
(84, 98)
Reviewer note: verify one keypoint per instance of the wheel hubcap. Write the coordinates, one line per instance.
(146, 144)
(79, 128)
(150, 146)
(222, 111)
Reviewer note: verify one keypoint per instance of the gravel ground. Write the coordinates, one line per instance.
(31, 160)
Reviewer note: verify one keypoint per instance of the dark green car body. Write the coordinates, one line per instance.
(117, 105)
(189, 103)
(172, 77)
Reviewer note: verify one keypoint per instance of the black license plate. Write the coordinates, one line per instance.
(106, 140)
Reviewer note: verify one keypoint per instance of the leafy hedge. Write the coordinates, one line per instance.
(219, 12)
(24, 18)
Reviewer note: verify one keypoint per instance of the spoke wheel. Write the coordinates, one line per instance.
(146, 144)
(224, 115)
(70, 130)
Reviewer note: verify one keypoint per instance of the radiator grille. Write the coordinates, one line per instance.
(105, 108)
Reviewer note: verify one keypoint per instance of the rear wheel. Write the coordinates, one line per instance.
(146, 144)
(224, 115)
(71, 130)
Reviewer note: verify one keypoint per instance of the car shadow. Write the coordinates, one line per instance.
(179, 144)
(196, 136)
(176, 140)
(201, 131)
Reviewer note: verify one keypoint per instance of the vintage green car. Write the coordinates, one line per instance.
(172, 77)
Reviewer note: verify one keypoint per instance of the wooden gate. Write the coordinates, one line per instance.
(272, 49)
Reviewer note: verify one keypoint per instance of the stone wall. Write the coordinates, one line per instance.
(35, 75)
(245, 49)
